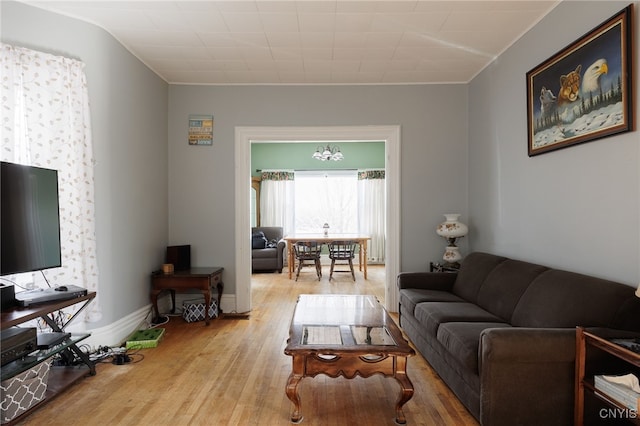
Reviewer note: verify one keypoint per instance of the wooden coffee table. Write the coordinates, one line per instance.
(346, 335)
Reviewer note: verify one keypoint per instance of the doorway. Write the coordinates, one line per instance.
(244, 136)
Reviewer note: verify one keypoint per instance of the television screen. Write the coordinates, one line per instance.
(30, 219)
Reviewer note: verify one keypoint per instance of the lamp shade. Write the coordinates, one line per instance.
(451, 227)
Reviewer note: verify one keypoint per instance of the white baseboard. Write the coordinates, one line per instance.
(116, 333)
(228, 303)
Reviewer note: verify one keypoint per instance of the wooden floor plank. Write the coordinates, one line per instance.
(234, 372)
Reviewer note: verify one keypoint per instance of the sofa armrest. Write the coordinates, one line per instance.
(426, 280)
(527, 376)
(281, 246)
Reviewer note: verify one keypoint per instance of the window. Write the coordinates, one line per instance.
(326, 197)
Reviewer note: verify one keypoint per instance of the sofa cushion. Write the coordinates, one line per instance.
(505, 285)
(266, 253)
(627, 317)
(463, 340)
(473, 271)
(567, 299)
(432, 314)
(258, 240)
(410, 297)
(270, 232)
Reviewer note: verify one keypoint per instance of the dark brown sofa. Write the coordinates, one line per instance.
(267, 249)
(501, 333)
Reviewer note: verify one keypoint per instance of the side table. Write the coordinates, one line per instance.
(614, 360)
(189, 279)
(443, 267)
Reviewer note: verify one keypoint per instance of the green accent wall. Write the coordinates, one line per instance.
(297, 156)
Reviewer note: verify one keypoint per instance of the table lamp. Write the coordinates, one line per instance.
(451, 229)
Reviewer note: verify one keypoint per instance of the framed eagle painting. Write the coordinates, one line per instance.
(584, 92)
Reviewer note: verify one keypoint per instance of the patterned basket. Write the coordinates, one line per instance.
(23, 391)
(193, 310)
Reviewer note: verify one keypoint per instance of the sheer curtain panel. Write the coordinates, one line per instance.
(46, 123)
(277, 200)
(372, 211)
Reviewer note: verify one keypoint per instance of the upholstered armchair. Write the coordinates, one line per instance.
(267, 249)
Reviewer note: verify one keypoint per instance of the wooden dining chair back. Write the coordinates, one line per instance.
(308, 253)
(342, 252)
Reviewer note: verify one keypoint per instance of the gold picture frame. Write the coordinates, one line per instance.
(585, 91)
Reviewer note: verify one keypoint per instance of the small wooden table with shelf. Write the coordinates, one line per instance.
(586, 341)
(60, 378)
(202, 279)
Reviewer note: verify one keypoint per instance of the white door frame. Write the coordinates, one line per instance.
(244, 136)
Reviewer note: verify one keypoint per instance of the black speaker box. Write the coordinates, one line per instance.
(7, 297)
(179, 256)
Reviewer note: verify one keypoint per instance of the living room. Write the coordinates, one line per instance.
(463, 149)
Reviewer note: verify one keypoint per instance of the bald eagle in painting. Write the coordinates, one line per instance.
(591, 77)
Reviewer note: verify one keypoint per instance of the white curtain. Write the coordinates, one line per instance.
(46, 123)
(372, 211)
(277, 200)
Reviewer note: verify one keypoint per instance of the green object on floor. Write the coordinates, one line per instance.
(142, 339)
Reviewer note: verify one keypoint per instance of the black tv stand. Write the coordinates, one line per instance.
(60, 378)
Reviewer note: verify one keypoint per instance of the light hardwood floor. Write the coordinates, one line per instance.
(234, 372)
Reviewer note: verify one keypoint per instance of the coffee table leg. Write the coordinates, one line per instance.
(292, 394)
(406, 389)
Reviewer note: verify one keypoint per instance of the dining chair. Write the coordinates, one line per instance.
(308, 253)
(342, 252)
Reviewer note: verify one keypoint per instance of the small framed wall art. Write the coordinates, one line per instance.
(200, 129)
(583, 92)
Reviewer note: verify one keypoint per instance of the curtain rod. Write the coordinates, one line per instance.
(308, 170)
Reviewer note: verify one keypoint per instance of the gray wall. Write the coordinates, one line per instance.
(575, 208)
(129, 121)
(433, 157)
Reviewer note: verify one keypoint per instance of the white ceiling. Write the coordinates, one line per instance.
(312, 42)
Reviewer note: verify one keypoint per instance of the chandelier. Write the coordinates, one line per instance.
(328, 153)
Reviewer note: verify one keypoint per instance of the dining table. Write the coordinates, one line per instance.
(360, 239)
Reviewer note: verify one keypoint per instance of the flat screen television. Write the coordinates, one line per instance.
(30, 219)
